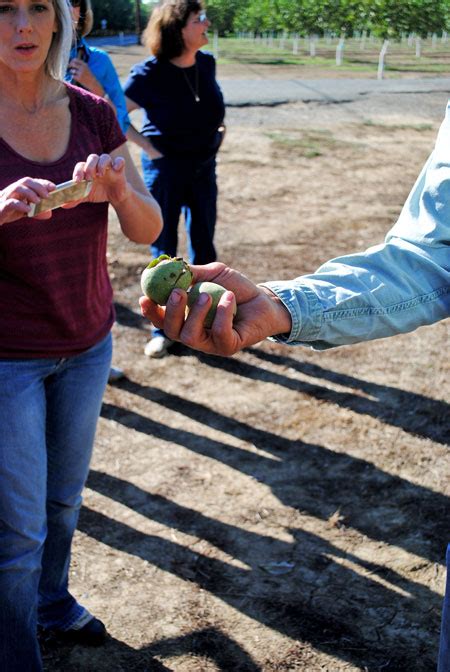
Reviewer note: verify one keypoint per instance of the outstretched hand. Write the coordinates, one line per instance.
(260, 313)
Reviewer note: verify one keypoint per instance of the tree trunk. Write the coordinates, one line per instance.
(418, 47)
(339, 51)
(383, 51)
(138, 20)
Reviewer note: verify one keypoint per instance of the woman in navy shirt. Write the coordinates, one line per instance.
(182, 130)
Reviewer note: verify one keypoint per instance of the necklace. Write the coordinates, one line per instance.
(47, 98)
(188, 82)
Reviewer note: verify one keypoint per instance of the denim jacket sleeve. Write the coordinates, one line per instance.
(391, 288)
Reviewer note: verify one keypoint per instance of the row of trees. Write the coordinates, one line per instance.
(388, 19)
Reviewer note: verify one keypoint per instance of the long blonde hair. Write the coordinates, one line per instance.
(58, 54)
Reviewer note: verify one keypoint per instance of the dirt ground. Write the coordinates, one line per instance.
(284, 509)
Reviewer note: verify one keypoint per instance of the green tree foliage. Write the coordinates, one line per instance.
(387, 18)
(428, 16)
(222, 14)
(259, 16)
(311, 17)
(120, 14)
(390, 20)
(344, 17)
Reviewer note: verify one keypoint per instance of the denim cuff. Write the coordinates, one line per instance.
(304, 308)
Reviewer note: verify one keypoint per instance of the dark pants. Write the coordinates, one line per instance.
(444, 648)
(188, 187)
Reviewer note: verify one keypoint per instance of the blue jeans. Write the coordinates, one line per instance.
(444, 646)
(187, 187)
(48, 416)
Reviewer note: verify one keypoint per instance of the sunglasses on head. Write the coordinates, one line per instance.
(75, 3)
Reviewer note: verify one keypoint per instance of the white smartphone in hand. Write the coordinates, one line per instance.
(64, 193)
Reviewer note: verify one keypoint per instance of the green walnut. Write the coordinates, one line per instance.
(215, 291)
(162, 275)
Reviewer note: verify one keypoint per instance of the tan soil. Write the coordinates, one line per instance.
(284, 509)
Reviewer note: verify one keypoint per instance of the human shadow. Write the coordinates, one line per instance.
(421, 415)
(308, 477)
(240, 543)
(326, 602)
(301, 611)
(413, 413)
(129, 318)
(210, 643)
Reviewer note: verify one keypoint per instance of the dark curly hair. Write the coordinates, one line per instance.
(163, 36)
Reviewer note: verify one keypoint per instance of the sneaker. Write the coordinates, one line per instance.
(115, 374)
(157, 347)
(92, 633)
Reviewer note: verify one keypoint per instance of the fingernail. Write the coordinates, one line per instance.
(175, 297)
(203, 298)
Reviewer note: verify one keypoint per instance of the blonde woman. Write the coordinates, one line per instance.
(56, 313)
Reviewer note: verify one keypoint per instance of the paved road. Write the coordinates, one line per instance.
(259, 91)
(240, 92)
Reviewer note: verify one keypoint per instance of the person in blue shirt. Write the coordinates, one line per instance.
(183, 113)
(389, 289)
(92, 68)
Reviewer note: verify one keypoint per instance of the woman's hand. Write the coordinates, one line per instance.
(109, 181)
(143, 142)
(260, 313)
(16, 198)
(116, 180)
(83, 75)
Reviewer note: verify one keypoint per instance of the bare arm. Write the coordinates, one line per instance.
(139, 215)
(134, 136)
(115, 179)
